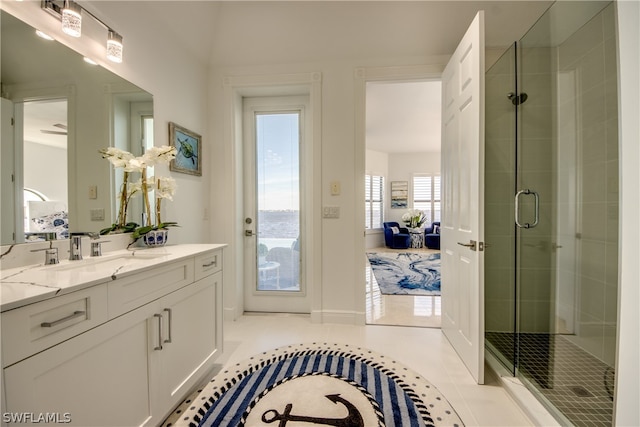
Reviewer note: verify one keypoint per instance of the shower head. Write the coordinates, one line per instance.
(517, 99)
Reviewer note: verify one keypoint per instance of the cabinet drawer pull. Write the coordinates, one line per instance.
(159, 346)
(212, 263)
(75, 314)
(168, 340)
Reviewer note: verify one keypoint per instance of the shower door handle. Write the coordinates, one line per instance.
(536, 208)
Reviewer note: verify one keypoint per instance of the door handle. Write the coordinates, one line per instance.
(160, 339)
(169, 325)
(76, 314)
(536, 208)
(471, 245)
(249, 233)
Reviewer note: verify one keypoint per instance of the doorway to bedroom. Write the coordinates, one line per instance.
(402, 181)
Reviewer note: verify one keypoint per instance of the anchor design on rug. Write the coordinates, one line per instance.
(353, 419)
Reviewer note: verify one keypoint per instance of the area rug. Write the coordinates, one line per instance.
(317, 384)
(401, 273)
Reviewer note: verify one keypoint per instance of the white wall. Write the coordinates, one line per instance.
(377, 163)
(402, 167)
(46, 170)
(340, 298)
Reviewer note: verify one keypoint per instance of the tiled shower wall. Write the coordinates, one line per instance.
(590, 55)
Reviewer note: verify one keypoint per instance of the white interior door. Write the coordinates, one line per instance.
(463, 199)
(275, 131)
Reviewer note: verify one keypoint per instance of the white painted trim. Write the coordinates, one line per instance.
(234, 89)
(342, 317)
(21, 94)
(362, 76)
(528, 403)
(627, 389)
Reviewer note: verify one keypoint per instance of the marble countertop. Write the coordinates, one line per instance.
(36, 282)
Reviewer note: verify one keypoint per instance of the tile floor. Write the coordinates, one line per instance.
(425, 350)
(574, 381)
(402, 310)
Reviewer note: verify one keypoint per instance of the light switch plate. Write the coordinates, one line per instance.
(97, 214)
(335, 188)
(331, 212)
(93, 191)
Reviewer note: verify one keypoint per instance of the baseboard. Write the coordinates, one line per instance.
(338, 316)
(527, 402)
(230, 314)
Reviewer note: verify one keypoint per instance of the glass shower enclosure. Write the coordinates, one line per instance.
(551, 219)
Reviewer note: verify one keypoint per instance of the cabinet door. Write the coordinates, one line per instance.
(98, 378)
(189, 334)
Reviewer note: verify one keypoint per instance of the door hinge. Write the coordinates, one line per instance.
(13, 121)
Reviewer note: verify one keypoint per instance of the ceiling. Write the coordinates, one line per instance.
(403, 117)
(246, 33)
(45, 122)
(400, 117)
(234, 33)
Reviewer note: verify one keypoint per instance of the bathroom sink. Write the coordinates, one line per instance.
(92, 264)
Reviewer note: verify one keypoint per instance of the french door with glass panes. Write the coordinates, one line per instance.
(274, 133)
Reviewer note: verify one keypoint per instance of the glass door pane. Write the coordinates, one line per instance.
(278, 201)
(567, 257)
(500, 139)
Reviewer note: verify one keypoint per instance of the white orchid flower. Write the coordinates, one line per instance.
(118, 158)
(166, 187)
(159, 155)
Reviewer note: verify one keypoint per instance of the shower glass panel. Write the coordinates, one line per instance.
(564, 204)
(500, 173)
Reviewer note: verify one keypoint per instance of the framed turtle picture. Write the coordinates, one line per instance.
(189, 150)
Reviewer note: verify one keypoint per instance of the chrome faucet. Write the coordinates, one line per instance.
(75, 244)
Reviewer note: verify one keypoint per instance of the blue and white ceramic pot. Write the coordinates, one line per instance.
(156, 238)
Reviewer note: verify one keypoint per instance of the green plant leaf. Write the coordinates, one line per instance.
(108, 229)
(167, 225)
(141, 231)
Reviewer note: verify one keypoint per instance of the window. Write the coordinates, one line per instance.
(426, 195)
(374, 195)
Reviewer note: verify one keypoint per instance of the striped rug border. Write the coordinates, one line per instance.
(436, 412)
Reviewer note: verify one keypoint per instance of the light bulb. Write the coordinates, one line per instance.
(72, 19)
(114, 47)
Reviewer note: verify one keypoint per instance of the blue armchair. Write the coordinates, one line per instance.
(432, 236)
(396, 240)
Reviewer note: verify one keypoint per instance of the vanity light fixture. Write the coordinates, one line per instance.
(72, 18)
(114, 46)
(70, 13)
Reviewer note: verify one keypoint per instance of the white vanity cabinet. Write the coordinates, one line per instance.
(135, 366)
(99, 377)
(188, 340)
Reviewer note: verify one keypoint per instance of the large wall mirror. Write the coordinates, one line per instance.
(57, 111)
